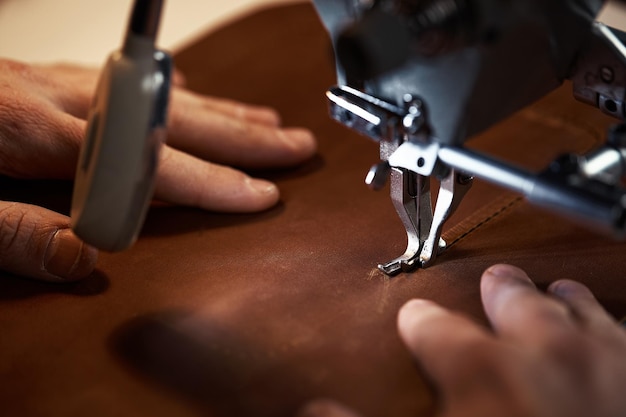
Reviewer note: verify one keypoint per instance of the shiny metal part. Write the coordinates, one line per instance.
(377, 176)
(409, 157)
(467, 65)
(453, 188)
(599, 75)
(605, 164)
(417, 157)
(410, 194)
(561, 188)
(581, 186)
(411, 197)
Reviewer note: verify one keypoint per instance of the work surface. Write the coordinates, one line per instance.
(251, 315)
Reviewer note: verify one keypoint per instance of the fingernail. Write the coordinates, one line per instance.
(417, 303)
(262, 186)
(270, 117)
(415, 308)
(300, 140)
(68, 257)
(503, 271)
(566, 288)
(560, 288)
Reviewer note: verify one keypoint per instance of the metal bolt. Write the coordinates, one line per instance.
(607, 75)
(413, 121)
(377, 176)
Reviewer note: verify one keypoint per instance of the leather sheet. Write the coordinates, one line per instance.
(252, 315)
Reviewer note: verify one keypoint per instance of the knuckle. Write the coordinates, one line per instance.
(16, 231)
(20, 123)
(25, 233)
(30, 133)
(9, 66)
(69, 134)
(32, 126)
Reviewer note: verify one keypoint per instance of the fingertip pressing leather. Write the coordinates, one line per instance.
(69, 258)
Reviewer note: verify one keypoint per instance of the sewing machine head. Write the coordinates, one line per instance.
(422, 76)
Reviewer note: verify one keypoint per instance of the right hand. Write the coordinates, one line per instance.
(550, 355)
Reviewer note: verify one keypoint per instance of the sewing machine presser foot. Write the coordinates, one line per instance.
(412, 199)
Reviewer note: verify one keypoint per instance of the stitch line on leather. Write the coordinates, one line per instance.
(467, 226)
(472, 223)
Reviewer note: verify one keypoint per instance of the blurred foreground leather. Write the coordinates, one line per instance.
(252, 315)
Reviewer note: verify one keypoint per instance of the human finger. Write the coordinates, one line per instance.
(454, 351)
(38, 243)
(187, 101)
(326, 408)
(38, 141)
(236, 140)
(518, 311)
(582, 303)
(72, 86)
(186, 180)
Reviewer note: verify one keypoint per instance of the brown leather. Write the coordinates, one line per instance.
(251, 315)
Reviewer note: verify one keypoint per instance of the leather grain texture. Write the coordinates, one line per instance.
(252, 315)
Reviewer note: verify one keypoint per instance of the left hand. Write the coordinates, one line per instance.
(43, 111)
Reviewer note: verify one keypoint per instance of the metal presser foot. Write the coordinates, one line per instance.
(409, 158)
(411, 197)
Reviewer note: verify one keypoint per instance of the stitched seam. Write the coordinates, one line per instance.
(466, 227)
(474, 222)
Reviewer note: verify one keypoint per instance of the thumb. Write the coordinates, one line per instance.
(38, 243)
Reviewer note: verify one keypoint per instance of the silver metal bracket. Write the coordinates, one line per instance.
(409, 157)
(411, 196)
(589, 187)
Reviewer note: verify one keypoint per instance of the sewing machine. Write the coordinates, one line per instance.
(419, 77)
(422, 76)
